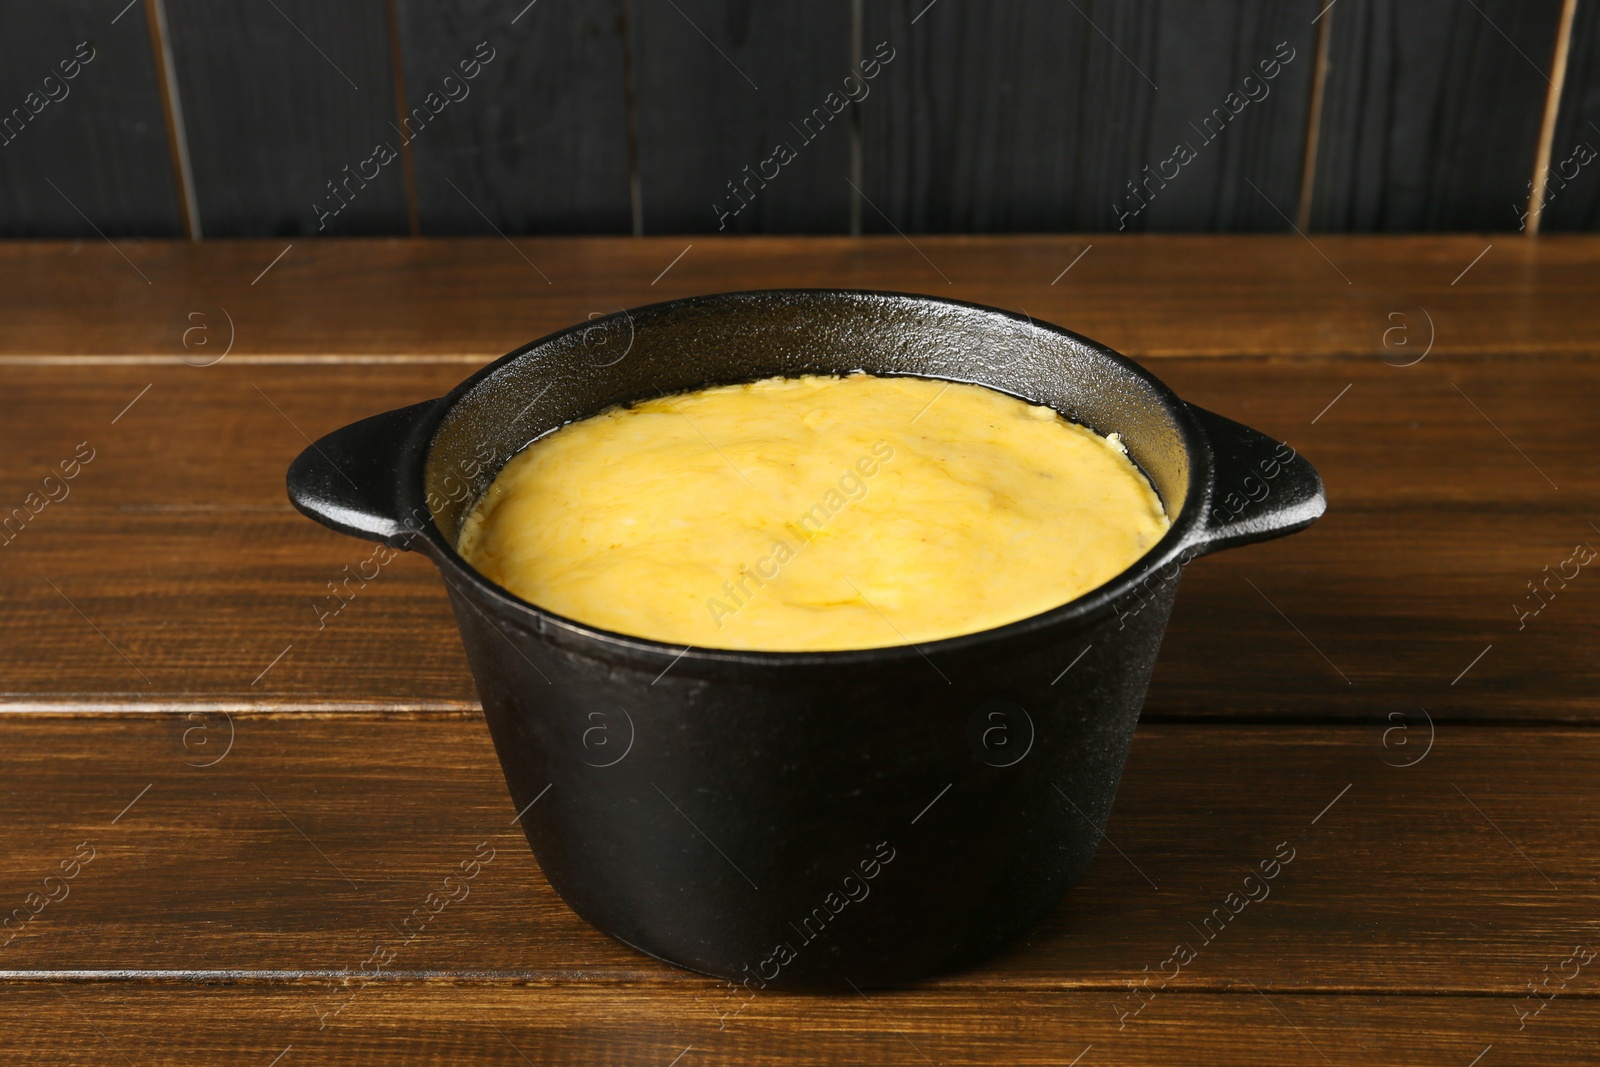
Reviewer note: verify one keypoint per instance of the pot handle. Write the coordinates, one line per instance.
(1260, 488)
(350, 480)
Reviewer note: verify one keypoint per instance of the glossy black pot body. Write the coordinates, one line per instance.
(808, 820)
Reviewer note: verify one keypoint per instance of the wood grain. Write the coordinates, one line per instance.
(1035, 116)
(177, 542)
(1431, 114)
(1031, 117)
(720, 85)
(100, 137)
(1572, 198)
(537, 141)
(311, 839)
(474, 299)
(572, 1023)
(278, 100)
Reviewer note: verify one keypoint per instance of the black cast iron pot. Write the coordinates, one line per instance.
(808, 820)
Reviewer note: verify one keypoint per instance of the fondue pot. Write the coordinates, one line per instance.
(808, 820)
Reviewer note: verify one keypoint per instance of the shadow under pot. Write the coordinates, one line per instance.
(808, 820)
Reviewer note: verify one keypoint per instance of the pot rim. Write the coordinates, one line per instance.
(1184, 539)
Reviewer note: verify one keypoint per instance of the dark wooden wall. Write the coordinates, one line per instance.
(1576, 206)
(98, 155)
(299, 117)
(1034, 115)
(1432, 113)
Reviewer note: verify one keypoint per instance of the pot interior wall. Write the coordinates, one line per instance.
(739, 337)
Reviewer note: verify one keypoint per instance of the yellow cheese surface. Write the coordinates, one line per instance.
(806, 514)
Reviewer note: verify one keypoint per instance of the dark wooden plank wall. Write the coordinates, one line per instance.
(284, 102)
(667, 116)
(87, 151)
(1037, 115)
(1432, 113)
(1572, 193)
(537, 140)
(721, 85)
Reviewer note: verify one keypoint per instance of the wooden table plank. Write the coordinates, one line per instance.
(310, 839)
(476, 298)
(177, 542)
(223, 435)
(573, 1024)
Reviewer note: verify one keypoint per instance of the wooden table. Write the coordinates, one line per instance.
(247, 804)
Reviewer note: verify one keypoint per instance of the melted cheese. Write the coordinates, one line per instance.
(806, 514)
